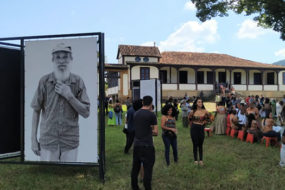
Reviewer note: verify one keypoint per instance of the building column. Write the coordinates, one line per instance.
(262, 81)
(195, 69)
(247, 78)
(170, 74)
(230, 79)
(214, 79)
(177, 70)
(277, 82)
(131, 85)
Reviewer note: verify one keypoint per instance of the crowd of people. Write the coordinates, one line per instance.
(256, 115)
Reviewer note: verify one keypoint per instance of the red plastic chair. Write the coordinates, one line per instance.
(208, 131)
(268, 140)
(240, 135)
(233, 132)
(228, 120)
(250, 138)
(228, 131)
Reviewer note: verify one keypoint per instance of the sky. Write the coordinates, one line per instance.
(170, 24)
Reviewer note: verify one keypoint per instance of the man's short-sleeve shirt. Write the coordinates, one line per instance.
(59, 120)
(143, 120)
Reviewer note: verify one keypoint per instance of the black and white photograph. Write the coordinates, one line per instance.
(61, 92)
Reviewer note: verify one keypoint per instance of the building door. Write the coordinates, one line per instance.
(136, 93)
(222, 77)
(163, 76)
(210, 75)
(270, 78)
(257, 79)
(183, 77)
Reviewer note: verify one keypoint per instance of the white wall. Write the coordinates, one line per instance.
(136, 72)
(169, 86)
(205, 87)
(270, 87)
(173, 75)
(255, 87)
(125, 84)
(132, 59)
(111, 91)
(238, 87)
(280, 80)
(120, 60)
(187, 86)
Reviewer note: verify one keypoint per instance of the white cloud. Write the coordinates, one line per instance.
(191, 36)
(249, 29)
(280, 53)
(189, 6)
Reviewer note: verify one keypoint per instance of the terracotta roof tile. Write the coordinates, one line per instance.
(210, 59)
(131, 50)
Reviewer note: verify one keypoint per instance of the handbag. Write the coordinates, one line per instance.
(125, 130)
(169, 133)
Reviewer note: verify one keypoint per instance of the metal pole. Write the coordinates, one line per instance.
(22, 100)
(101, 109)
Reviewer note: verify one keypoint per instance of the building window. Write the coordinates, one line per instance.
(145, 59)
(270, 78)
(144, 73)
(163, 76)
(112, 79)
(210, 75)
(138, 59)
(283, 74)
(237, 77)
(200, 77)
(257, 78)
(183, 77)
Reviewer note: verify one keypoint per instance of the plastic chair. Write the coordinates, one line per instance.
(209, 131)
(268, 140)
(240, 135)
(228, 131)
(250, 138)
(233, 132)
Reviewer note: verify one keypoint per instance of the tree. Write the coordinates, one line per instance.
(269, 13)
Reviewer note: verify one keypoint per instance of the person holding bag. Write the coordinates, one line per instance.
(168, 125)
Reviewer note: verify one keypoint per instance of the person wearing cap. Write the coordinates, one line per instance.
(59, 99)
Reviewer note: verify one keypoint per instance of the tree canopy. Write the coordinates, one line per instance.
(268, 13)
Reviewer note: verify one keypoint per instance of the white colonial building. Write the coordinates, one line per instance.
(190, 73)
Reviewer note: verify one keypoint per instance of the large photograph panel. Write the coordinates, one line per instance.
(61, 84)
(10, 62)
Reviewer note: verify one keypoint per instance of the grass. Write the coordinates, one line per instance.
(229, 164)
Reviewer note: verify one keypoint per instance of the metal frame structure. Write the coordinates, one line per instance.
(101, 125)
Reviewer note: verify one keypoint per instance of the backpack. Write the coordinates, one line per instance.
(110, 114)
(117, 109)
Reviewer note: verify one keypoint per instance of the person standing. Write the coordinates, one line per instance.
(118, 112)
(144, 152)
(185, 112)
(169, 137)
(137, 104)
(220, 120)
(198, 117)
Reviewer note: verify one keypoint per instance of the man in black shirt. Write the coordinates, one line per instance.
(145, 124)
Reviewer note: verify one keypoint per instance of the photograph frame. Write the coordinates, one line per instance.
(101, 94)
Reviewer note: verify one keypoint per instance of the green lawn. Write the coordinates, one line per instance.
(229, 164)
